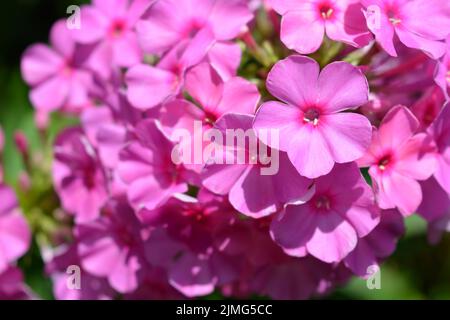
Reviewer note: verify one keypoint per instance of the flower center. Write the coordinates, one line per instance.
(384, 162)
(117, 28)
(311, 116)
(392, 14)
(322, 202)
(326, 10)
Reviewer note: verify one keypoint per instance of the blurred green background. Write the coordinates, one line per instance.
(416, 271)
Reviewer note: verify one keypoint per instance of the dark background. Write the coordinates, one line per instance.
(417, 270)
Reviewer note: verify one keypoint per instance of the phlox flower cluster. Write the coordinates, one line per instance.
(356, 92)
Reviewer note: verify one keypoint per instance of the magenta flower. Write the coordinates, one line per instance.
(377, 245)
(435, 209)
(108, 26)
(249, 191)
(329, 226)
(169, 22)
(12, 286)
(305, 23)
(440, 131)
(147, 168)
(56, 74)
(112, 246)
(78, 176)
(398, 158)
(91, 287)
(312, 131)
(15, 235)
(199, 242)
(418, 24)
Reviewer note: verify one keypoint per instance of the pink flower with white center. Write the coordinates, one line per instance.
(146, 166)
(249, 191)
(305, 23)
(78, 176)
(440, 131)
(15, 234)
(398, 158)
(56, 74)
(418, 24)
(379, 244)
(108, 25)
(313, 131)
(112, 246)
(169, 22)
(329, 226)
(149, 86)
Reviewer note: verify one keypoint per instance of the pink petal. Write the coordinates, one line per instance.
(274, 115)
(239, 96)
(205, 85)
(94, 25)
(435, 49)
(398, 125)
(149, 86)
(302, 31)
(294, 80)
(229, 17)
(126, 50)
(39, 63)
(342, 86)
(333, 239)
(348, 135)
(51, 94)
(309, 153)
(225, 57)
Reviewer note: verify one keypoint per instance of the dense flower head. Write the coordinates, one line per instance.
(211, 155)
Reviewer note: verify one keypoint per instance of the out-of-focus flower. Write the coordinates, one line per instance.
(56, 73)
(108, 26)
(15, 234)
(78, 175)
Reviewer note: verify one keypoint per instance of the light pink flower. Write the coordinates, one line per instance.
(56, 74)
(305, 23)
(329, 226)
(15, 234)
(108, 26)
(249, 191)
(312, 130)
(419, 24)
(398, 158)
